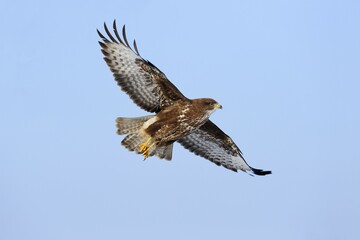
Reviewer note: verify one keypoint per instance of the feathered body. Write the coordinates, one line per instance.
(175, 119)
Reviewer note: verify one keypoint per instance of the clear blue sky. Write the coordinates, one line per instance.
(286, 72)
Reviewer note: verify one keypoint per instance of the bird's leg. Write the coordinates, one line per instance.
(144, 146)
(147, 151)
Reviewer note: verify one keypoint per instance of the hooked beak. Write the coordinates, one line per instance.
(218, 105)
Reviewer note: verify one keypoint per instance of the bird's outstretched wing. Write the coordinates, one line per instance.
(212, 143)
(145, 84)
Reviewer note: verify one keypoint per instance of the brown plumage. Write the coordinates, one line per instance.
(175, 119)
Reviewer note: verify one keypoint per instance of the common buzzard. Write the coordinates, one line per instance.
(175, 119)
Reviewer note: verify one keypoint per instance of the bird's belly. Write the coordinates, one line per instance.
(167, 135)
(169, 128)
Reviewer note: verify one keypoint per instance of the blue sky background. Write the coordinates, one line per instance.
(286, 72)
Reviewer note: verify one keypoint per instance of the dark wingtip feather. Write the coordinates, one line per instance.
(102, 36)
(116, 32)
(109, 33)
(125, 38)
(106, 54)
(260, 172)
(117, 39)
(103, 45)
(136, 49)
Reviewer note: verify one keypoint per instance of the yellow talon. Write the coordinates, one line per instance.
(147, 151)
(144, 146)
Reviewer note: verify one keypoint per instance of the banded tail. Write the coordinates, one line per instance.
(136, 137)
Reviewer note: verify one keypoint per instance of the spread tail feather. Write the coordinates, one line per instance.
(130, 125)
(164, 152)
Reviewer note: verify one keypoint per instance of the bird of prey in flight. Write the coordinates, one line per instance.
(174, 118)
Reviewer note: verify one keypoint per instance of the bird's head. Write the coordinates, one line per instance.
(209, 104)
